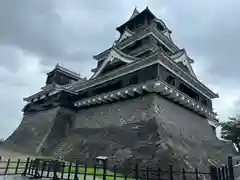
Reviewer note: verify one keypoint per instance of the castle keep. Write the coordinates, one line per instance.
(143, 103)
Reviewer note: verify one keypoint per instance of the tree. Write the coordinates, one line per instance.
(231, 130)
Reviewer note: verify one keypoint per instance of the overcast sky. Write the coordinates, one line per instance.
(37, 34)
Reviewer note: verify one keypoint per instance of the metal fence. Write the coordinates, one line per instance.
(236, 167)
(38, 168)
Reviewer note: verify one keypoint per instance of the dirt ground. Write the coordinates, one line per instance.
(6, 154)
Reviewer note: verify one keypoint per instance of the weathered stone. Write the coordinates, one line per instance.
(153, 137)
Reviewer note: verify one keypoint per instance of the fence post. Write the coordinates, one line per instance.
(76, 172)
(43, 168)
(223, 172)
(94, 172)
(8, 162)
(159, 173)
(69, 170)
(36, 174)
(48, 168)
(230, 168)
(26, 167)
(196, 173)
(170, 172)
(85, 172)
(104, 170)
(55, 163)
(16, 170)
(114, 172)
(136, 171)
(213, 171)
(183, 174)
(63, 170)
(147, 173)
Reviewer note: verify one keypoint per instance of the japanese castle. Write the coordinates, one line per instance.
(144, 59)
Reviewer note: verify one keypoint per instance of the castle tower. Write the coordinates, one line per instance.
(145, 56)
(142, 104)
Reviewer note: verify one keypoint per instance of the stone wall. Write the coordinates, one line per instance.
(115, 114)
(145, 130)
(148, 130)
(31, 131)
(37, 131)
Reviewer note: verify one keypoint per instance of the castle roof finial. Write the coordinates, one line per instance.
(135, 13)
(57, 66)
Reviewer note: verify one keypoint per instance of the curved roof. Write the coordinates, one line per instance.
(114, 54)
(146, 11)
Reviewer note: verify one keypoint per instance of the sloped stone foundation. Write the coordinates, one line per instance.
(40, 131)
(146, 130)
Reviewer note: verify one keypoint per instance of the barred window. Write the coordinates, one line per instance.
(133, 80)
(170, 80)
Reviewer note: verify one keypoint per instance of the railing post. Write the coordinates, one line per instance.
(76, 172)
(183, 174)
(104, 170)
(114, 172)
(69, 170)
(8, 162)
(36, 174)
(85, 172)
(223, 172)
(159, 173)
(230, 168)
(43, 168)
(26, 167)
(55, 170)
(170, 172)
(213, 171)
(16, 170)
(94, 172)
(196, 173)
(147, 173)
(136, 172)
(48, 168)
(63, 170)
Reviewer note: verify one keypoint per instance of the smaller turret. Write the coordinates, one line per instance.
(61, 76)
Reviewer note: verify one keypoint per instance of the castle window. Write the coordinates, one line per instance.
(133, 80)
(170, 80)
(164, 48)
(204, 102)
(144, 54)
(139, 23)
(188, 91)
(160, 27)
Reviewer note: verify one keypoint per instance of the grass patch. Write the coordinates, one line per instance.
(46, 158)
(99, 172)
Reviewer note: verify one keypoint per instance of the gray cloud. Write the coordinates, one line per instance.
(208, 29)
(39, 28)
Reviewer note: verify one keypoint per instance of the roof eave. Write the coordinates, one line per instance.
(122, 27)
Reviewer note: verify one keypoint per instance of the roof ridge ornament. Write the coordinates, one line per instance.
(135, 13)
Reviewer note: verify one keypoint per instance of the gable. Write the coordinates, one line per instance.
(182, 59)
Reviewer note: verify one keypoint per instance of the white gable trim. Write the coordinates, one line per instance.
(135, 13)
(127, 33)
(181, 56)
(167, 34)
(114, 53)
